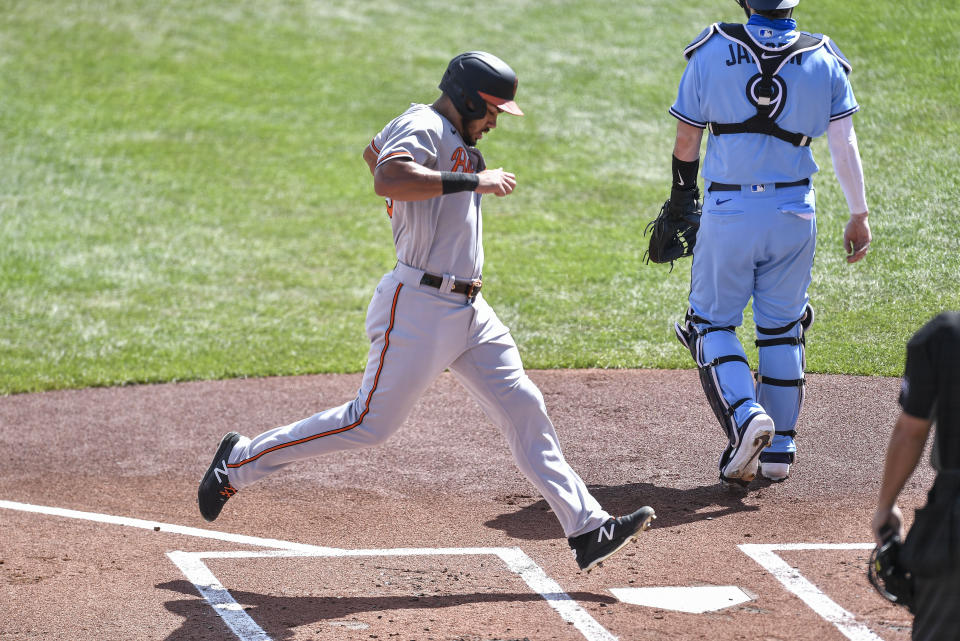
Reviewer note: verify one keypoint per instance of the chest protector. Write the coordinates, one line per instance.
(766, 90)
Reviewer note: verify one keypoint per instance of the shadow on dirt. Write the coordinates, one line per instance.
(535, 521)
(278, 616)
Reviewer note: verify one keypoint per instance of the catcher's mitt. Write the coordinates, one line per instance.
(888, 577)
(675, 229)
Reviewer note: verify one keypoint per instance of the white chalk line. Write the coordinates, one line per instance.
(844, 621)
(219, 598)
(246, 629)
(164, 527)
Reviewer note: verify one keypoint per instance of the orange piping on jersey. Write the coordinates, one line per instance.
(374, 147)
(395, 154)
(366, 407)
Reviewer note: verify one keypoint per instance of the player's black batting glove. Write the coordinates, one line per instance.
(674, 231)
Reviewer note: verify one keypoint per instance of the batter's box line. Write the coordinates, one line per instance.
(246, 629)
(193, 567)
(766, 555)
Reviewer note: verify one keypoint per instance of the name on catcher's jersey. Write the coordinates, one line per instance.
(440, 235)
(713, 88)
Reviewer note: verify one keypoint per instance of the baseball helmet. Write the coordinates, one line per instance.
(477, 77)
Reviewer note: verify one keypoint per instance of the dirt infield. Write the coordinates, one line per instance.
(434, 535)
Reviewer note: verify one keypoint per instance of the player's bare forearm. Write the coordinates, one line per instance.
(409, 181)
(406, 180)
(687, 145)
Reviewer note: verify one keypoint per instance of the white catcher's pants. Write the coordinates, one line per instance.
(415, 334)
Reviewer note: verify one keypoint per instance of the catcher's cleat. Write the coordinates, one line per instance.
(215, 488)
(597, 545)
(730, 483)
(776, 472)
(739, 463)
(776, 460)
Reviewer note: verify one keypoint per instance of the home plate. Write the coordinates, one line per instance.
(696, 600)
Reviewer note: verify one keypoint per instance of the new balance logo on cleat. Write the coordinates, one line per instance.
(215, 488)
(218, 471)
(593, 547)
(609, 533)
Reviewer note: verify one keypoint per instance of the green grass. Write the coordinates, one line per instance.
(182, 193)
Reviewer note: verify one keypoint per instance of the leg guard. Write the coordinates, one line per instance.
(724, 372)
(780, 382)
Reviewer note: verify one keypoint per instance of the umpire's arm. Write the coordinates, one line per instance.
(903, 453)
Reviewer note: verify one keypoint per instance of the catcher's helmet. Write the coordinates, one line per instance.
(475, 78)
(768, 5)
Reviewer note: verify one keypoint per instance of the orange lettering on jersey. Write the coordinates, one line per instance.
(389, 202)
(461, 161)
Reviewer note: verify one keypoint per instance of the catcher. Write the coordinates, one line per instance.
(763, 90)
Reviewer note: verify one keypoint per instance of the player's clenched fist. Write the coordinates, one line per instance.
(496, 181)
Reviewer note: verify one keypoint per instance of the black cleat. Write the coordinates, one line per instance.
(595, 546)
(215, 488)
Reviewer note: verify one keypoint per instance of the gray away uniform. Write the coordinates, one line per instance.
(417, 331)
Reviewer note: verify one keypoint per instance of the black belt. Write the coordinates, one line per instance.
(468, 287)
(726, 187)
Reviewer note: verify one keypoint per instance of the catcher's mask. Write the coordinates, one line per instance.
(475, 78)
(887, 576)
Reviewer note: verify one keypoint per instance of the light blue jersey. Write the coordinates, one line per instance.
(763, 90)
(714, 89)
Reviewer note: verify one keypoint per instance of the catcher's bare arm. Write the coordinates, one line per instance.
(687, 145)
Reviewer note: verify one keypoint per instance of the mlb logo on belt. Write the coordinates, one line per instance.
(757, 188)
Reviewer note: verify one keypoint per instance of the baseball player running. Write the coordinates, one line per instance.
(428, 314)
(763, 90)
